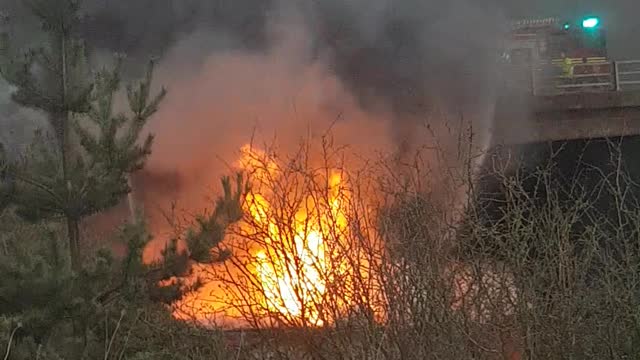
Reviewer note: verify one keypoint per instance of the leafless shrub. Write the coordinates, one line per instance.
(304, 254)
(535, 269)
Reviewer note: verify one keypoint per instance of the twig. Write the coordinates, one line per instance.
(113, 336)
(13, 333)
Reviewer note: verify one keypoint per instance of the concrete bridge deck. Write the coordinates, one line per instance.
(522, 119)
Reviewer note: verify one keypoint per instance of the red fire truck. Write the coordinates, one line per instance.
(562, 55)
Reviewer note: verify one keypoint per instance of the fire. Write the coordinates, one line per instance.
(293, 264)
(295, 261)
(306, 253)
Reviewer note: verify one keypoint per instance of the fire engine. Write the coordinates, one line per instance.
(564, 55)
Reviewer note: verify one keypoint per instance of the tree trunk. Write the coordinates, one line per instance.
(131, 200)
(61, 125)
(73, 231)
(64, 137)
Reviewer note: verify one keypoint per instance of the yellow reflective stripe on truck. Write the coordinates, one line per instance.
(577, 61)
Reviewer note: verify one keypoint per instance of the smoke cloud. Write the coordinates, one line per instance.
(382, 74)
(381, 83)
(378, 73)
(234, 97)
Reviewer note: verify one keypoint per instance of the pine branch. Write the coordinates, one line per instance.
(211, 229)
(58, 16)
(138, 96)
(6, 185)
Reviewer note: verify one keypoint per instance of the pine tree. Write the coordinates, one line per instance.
(5, 186)
(84, 168)
(52, 305)
(210, 228)
(64, 314)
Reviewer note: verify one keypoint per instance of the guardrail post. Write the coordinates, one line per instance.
(616, 75)
(533, 80)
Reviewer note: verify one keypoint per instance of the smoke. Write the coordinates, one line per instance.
(234, 97)
(15, 132)
(409, 58)
(382, 76)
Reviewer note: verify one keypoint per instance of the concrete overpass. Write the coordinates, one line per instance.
(531, 119)
(568, 144)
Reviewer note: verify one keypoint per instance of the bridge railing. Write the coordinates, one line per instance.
(600, 76)
(552, 79)
(627, 75)
(583, 77)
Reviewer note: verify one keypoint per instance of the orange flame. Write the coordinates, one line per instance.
(293, 274)
(294, 258)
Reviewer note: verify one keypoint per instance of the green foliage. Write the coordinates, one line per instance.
(203, 244)
(58, 313)
(211, 228)
(94, 180)
(102, 307)
(5, 183)
(61, 80)
(107, 310)
(85, 168)
(53, 305)
(115, 147)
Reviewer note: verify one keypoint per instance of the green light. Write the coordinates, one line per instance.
(566, 26)
(590, 23)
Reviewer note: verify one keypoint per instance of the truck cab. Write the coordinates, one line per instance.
(557, 56)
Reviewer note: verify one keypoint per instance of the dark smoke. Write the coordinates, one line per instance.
(140, 27)
(404, 53)
(400, 52)
(385, 68)
(384, 71)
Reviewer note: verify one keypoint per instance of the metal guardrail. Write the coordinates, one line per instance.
(550, 78)
(627, 75)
